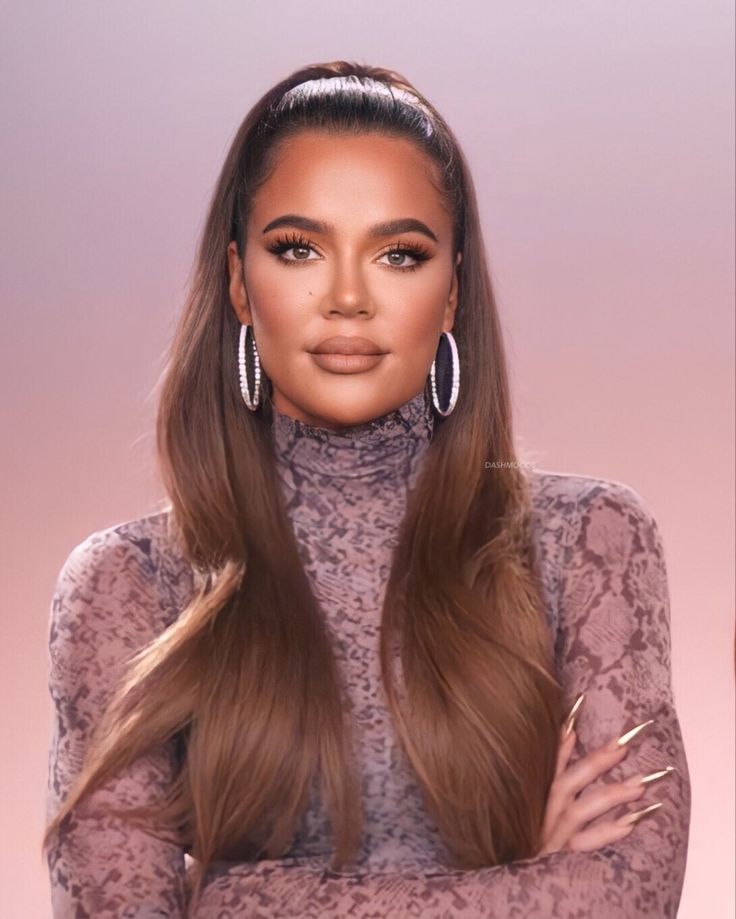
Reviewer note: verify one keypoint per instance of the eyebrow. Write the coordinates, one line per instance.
(388, 228)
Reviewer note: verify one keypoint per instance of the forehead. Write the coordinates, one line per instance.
(351, 178)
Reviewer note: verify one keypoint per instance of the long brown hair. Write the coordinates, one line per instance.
(245, 677)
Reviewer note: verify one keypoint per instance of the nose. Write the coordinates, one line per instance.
(348, 295)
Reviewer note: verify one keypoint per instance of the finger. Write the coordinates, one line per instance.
(585, 770)
(589, 806)
(555, 801)
(564, 751)
(572, 779)
(603, 834)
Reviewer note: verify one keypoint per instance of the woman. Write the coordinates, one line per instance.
(338, 670)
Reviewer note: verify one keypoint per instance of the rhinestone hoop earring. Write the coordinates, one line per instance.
(254, 401)
(455, 361)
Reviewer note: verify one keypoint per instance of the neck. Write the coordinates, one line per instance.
(388, 446)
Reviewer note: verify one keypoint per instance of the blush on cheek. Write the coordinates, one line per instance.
(417, 343)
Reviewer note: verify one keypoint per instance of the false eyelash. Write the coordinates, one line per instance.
(415, 250)
(295, 240)
(282, 243)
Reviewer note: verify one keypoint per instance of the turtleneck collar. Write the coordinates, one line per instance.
(390, 445)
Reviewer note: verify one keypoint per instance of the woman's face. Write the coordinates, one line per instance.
(318, 264)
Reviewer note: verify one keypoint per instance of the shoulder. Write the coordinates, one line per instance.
(586, 528)
(572, 503)
(110, 550)
(612, 594)
(142, 548)
(116, 590)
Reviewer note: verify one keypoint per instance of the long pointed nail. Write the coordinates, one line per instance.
(652, 777)
(629, 735)
(637, 815)
(572, 717)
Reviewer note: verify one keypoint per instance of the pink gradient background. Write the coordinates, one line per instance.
(601, 138)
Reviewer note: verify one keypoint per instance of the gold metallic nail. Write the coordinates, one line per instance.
(572, 717)
(637, 815)
(625, 738)
(653, 776)
(635, 781)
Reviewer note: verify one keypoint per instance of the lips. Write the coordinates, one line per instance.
(347, 344)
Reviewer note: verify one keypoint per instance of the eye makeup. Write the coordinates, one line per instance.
(281, 244)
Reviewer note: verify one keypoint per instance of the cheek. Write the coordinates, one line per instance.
(415, 335)
(274, 322)
(275, 315)
(415, 310)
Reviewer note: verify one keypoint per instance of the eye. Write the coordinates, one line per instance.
(283, 244)
(401, 250)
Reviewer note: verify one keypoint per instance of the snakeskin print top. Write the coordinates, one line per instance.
(601, 564)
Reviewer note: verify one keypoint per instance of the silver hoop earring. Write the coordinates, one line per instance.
(251, 401)
(445, 353)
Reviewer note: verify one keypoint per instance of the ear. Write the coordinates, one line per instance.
(449, 318)
(238, 294)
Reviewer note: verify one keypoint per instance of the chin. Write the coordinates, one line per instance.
(348, 400)
(344, 416)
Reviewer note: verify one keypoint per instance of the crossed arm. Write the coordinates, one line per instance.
(613, 643)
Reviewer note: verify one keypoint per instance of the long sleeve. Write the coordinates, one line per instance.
(105, 607)
(613, 643)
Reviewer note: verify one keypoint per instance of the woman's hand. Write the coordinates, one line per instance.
(567, 814)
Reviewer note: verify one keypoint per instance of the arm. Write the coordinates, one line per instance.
(613, 643)
(105, 607)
